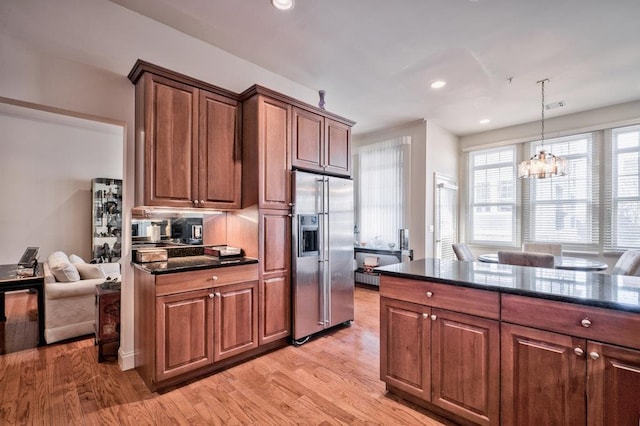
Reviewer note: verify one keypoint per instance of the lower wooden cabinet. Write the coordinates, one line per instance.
(555, 379)
(184, 334)
(191, 323)
(448, 359)
(235, 319)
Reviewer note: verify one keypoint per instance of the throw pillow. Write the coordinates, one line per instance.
(88, 271)
(61, 267)
(74, 258)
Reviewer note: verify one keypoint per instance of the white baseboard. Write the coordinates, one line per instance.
(126, 360)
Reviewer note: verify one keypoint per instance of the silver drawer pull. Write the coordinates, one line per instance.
(578, 351)
(429, 294)
(586, 323)
(218, 295)
(211, 295)
(215, 278)
(594, 355)
(425, 316)
(433, 317)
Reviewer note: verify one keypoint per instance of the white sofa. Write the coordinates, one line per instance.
(70, 289)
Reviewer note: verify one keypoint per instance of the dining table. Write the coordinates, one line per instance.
(560, 262)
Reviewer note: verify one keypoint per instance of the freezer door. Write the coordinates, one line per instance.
(340, 250)
(309, 299)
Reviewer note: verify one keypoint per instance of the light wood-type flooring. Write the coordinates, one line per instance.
(332, 379)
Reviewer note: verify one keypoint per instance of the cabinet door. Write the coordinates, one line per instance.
(465, 363)
(235, 319)
(543, 378)
(275, 125)
(275, 295)
(337, 148)
(219, 159)
(184, 335)
(613, 394)
(171, 139)
(307, 143)
(405, 330)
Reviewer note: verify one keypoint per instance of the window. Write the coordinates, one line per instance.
(623, 194)
(564, 209)
(492, 177)
(382, 189)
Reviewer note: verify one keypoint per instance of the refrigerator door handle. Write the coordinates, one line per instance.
(325, 248)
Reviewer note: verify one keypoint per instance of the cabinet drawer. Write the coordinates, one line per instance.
(603, 325)
(459, 299)
(205, 278)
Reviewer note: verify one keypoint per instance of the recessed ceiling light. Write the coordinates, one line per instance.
(438, 84)
(282, 4)
(485, 121)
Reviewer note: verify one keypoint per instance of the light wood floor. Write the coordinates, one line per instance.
(333, 379)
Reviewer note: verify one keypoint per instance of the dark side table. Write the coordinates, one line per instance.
(11, 281)
(107, 317)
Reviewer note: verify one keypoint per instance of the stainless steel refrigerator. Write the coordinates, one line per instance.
(322, 253)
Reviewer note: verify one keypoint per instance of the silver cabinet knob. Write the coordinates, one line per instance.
(429, 294)
(218, 295)
(578, 351)
(586, 323)
(202, 202)
(425, 316)
(433, 317)
(594, 355)
(211, 295)
(196, 202)
(214, 278)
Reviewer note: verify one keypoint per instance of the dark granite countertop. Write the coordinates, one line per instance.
(191, 263)
(619, 292)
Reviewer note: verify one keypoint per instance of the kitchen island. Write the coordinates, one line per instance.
(498, 344)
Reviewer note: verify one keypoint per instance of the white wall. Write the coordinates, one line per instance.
(433, 149)
(48, 161)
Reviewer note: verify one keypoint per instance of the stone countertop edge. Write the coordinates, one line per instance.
(457, 273)
(181, 264)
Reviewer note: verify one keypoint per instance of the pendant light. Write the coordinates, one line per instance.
(543, 164)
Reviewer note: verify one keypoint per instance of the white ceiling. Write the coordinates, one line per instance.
(375, 58)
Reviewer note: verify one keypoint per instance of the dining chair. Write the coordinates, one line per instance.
(523, 258)
(628, 264)
(553, 248)
(463, 252)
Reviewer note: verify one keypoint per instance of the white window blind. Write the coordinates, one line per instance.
(383, 188)
(622, 190)
(492, 181)
(565, 209)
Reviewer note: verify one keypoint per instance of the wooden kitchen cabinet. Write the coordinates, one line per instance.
(320, 144)
(551, 359)
(266, 138)
(193, 322)
(446, 358)
(235, 319)
(405, 344)
(188, 151)
(184, 333)
(275, 289)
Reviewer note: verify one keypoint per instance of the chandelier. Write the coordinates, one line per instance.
(543, 164)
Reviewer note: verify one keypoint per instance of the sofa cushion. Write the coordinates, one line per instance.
(61, 268)
(88, 271)
(75, 259)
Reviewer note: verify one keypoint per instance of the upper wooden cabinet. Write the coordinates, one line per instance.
(266, 138)
(320, 144)
(188, 151)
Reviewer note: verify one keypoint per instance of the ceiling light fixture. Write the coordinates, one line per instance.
(543, 164)
(282, 4)
(485, 121)
(438, 84)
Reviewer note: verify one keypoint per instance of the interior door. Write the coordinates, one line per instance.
(446, 217)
